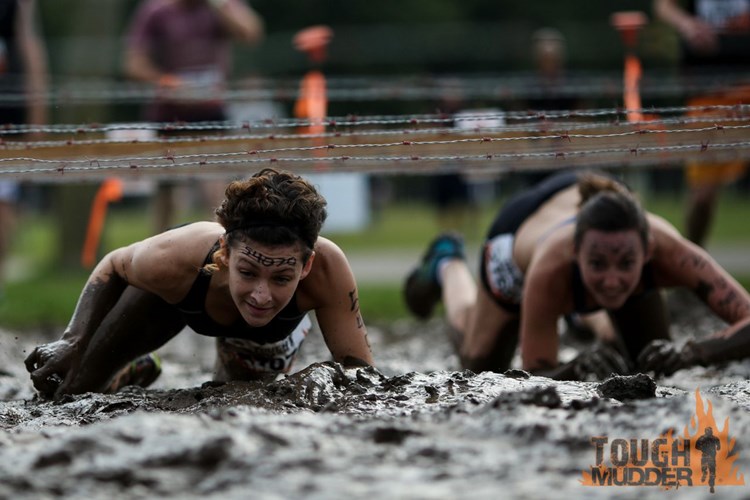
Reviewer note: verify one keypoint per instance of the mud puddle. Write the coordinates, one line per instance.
(416, 428)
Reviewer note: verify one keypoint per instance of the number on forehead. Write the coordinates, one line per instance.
(265, 260)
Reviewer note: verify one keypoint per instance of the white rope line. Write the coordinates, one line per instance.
(521, 85)
(385, 120)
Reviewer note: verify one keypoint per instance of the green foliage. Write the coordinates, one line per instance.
(44, 296)
(45, 299)
(408, 36)
(381, 303)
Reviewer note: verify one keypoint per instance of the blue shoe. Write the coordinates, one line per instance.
(422, 289)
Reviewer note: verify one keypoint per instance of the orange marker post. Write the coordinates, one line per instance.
(109, 191)
(628, 24)
(312, 102)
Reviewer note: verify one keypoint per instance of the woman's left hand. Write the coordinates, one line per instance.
(662, 357)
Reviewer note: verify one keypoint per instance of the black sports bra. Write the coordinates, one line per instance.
(193, 309)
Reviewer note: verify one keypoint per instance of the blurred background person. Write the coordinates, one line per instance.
(23, 70)
(451, 192)
(183, 48)
(715, 36)
(549, 52)
(552, 89)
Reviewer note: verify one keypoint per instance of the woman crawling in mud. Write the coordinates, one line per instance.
(248, 279)
(579, 246)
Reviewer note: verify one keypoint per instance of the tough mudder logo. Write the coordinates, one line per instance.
(703, 456)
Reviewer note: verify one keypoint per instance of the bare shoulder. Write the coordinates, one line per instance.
(329, 252)
(666, 243)
(676, 260)
(165, 263)
(331, 274)
(330, 261)
(662, 231)
(548, 276)
(555, 251)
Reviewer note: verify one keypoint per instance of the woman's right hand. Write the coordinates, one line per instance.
(50, 364)
(598, 363)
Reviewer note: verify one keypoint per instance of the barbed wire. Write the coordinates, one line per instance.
(570, 137)
(724, 112)
(602, 136)
(625, 156)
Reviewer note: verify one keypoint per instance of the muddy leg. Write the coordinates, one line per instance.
(499, 355)
(642, 319)
(139, 323)
(491, 339)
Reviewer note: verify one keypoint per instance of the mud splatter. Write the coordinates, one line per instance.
(418, 427)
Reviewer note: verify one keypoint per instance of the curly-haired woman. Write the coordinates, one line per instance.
(248, 279)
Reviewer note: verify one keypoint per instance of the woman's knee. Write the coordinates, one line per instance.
(491, 350)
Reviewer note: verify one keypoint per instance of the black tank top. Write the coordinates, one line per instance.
(193, 309)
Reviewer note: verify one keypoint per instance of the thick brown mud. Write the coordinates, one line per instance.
(418, 427)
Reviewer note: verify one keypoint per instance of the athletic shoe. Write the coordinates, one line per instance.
(422, 289)
(141, 372)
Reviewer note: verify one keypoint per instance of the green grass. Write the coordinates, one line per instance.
(410, 226)
(45, 296)
(730, 226)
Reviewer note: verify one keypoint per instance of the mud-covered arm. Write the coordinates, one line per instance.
(730, 344)
(664, 357)
(338, 312)
(687, 265)
(148, 265)
(51, 364)
(541, 306)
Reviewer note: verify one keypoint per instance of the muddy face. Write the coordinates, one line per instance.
(263, 279)
(611, 264)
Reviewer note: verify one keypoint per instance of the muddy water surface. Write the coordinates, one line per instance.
(416, 428)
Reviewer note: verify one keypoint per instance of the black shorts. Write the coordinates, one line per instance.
(498, 273)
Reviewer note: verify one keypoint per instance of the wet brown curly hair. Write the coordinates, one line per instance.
(272, 208)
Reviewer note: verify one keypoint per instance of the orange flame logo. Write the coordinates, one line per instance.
(704, 456)
(727, 473)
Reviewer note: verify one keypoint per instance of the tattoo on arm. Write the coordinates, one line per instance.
(729, 304)
(693, 261)
(354, 307)
(354, 300)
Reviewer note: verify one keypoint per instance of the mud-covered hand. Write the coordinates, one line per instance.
(50, 364)
(663, 357)
(598, 363)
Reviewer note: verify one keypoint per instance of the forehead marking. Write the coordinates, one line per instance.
(265, 260)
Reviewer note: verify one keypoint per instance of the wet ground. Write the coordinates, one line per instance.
(417, 428)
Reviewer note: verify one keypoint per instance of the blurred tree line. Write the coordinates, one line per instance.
(405, 36)
(85, 40)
